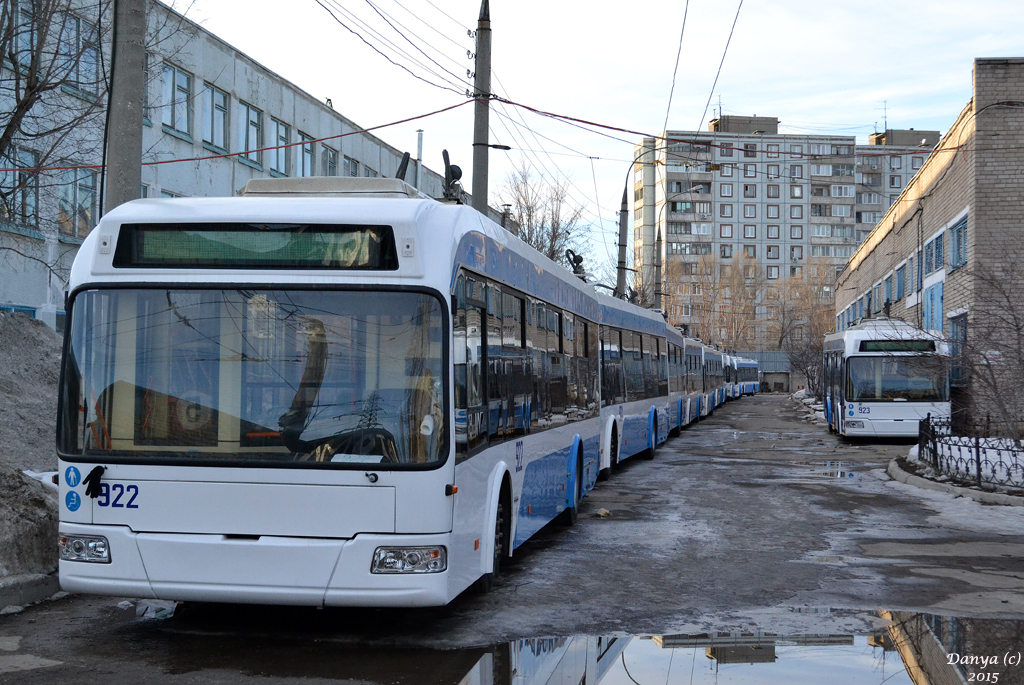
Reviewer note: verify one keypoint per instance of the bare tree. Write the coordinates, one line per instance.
(816, 312)
(988, 343)
(546, 217)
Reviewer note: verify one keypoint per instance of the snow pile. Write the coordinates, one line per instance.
(29, 371)
(28, 525)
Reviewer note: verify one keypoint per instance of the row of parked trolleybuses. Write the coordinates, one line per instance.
(338, 392)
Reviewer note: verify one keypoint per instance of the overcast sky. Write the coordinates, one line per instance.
(820, 66)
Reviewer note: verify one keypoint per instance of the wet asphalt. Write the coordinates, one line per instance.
(754, 518)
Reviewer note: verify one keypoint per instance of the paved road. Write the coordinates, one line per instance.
(752, 517)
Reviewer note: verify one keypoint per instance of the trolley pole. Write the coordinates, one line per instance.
(123, 174)
(482, 93)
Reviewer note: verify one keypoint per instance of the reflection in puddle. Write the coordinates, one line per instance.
(913, 648)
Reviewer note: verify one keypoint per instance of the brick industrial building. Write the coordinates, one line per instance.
(947, 255)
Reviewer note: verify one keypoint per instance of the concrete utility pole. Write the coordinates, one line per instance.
(124, 127)
(620, 272)
(482, 91)
(657, 271)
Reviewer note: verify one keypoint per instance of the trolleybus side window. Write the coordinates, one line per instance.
(469, 356)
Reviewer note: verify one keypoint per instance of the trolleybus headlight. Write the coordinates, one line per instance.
(409, 560)
(854, 424)
(93, 548)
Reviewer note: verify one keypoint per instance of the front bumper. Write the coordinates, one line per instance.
(253, 570)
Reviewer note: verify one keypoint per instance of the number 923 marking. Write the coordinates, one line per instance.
(863, 410)
(114, 496)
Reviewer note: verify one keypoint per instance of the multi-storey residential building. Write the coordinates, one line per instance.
(947, 255)
(230, 118)
(741, 207)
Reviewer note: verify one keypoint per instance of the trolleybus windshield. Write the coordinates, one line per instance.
(887, 378)
(290, 377)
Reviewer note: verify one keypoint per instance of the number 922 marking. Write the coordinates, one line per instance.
(118, 496)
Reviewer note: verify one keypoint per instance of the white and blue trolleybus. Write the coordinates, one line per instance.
(323, 392)
(882, 376)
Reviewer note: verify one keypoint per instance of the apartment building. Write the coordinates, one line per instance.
(205, 103)
(948, 254)
(742, 196)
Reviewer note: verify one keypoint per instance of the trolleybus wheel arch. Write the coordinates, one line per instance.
(571, 513)
(502, 526)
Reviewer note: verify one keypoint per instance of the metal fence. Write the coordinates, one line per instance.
(970, 453)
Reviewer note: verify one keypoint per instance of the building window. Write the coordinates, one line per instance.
(750, 149)
(773, 171)
(725, 150)
(370, 173)
(328, 161)
(842, 191)
(888, 289)
(773, 232)
(351, 167)
(726, 170)
(901, 282)
(725, 190)
(750, 231)
(726, 251)
(796, 171)
(79, 45)
(250, 133)
(306, 155)
(958, 245)
(910, 275)
(773, 191)
(749, 171)
(750, 251)
(796, 253)
(749, 190)
(19, 189)
(773, 150)
(725, 231)
(725, 211)
(773, 212)
(894, 181)
(76, 205)
(796, 272)
(215, 117)
(796, 232)
(821, 169)
(842, 210)
(821, 250)
(958, 339)
(773, 273)
(796, 212)
(278, 154)
(177, 99)
(821, 231)
(749, 211)
(916, 162)
(796, 150)
(796, 192)
(895, 162)
(772, 251)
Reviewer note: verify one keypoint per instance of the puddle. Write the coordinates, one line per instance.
(907, 648)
